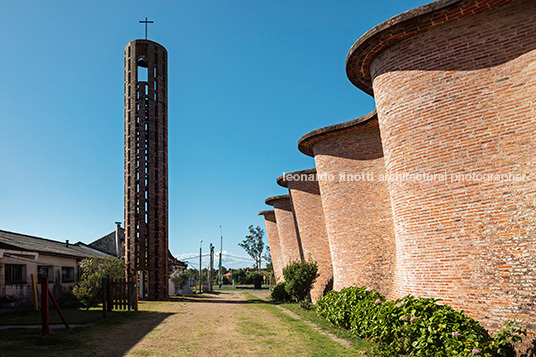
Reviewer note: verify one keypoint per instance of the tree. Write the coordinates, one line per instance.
(253, 244)
(180, 278)
(93, 270)
(268, 258)
(300, 277)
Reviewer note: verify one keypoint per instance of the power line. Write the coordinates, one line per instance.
(194, 256)
(240, 258)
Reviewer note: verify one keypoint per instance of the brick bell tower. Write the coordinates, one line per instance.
(146, 171)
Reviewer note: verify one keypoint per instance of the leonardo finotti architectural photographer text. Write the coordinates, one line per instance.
(405, 176)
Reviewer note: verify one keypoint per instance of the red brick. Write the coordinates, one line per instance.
(289, 239)
(459, 98)
(357, 213)
(146, 175)
(273, 241)
(307, 205)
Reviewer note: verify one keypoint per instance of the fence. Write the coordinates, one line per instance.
(121, 294)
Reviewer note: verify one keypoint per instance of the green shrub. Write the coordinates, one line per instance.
(300, 277)
(414, 327)
(306, 305)
(279, 293)
(422, 327)
(180, 279)
(93, 270)
(67, 300)
(251, 276)
(337, 306)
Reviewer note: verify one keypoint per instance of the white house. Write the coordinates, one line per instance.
(22, 255)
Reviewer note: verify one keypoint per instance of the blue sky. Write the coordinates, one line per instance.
(247, 78)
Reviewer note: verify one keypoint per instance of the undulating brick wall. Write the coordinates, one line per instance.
(455, 88)
(273, 241)
(305, 194)
(357, 210)
(289, 239)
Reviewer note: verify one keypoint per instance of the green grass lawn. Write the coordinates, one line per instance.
(240, 287)
(310, 315)
(79, 341)
(179, 327)
(301, 337)
(31, 317)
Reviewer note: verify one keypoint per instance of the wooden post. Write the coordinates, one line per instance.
(104, 296)
(59, 310)
(136, 298)
(45, 317)
(110, 302)
(34, 290)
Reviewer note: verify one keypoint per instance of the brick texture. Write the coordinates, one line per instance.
(357, 210)
(289, 238)
(146, 179)
(305, 194)
(273, 241)
(459, 98)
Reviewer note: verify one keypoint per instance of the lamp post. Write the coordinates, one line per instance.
(200, 262)
(220, 275)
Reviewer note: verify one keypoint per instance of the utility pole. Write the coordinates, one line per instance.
(211, 267)
(220, 275)
(200, 264)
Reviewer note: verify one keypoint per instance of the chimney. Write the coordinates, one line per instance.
(117, 230)
(67, 243)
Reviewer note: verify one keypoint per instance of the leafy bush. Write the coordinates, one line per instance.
(300, 277)
(251, 276)
(337, 307)
(93, 270)
(8, 299)
(412, 326)
(279, 293)
(180, 278)
(67, 300)
(306, 305)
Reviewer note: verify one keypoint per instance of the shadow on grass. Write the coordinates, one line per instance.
(113, 336)
(211, 300)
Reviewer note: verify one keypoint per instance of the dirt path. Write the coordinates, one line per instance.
(227, 324)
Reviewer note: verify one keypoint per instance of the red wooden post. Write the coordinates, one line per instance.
(59, 310)
(45, 317)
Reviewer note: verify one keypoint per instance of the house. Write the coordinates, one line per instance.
(22, 255)
(113, 243)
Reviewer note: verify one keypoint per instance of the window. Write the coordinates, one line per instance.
(47, 271)
(143, 74)
(67, 274)
(15, 274)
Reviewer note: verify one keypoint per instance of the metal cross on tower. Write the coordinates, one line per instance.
(146, 22)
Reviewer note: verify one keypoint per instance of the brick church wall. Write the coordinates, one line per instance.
(455, 87)
(305, 194)
(289, 238)
(273, 241)
(357, 210)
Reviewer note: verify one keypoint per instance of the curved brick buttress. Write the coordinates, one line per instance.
(289, 238)
(357, 211)
(307, 204)
(455, 94)
(273, 241)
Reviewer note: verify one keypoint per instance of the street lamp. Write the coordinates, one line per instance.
(200, 262)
